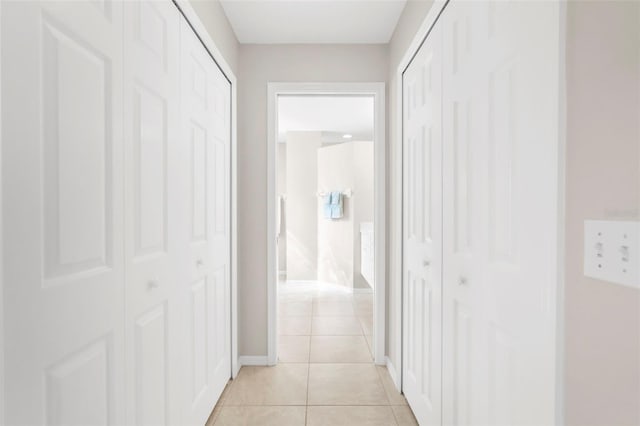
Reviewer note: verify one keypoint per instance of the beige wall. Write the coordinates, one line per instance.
(602, 371)
(258, 65)
(410, 21)
(302, 202)
(215, 21)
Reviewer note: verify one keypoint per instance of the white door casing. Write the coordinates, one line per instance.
(422, 233)
(63, 222)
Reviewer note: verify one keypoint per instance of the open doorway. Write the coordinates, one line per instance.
(326, 193)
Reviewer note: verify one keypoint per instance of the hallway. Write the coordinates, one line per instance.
(325, 376)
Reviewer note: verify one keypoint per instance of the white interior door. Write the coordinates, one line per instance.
(155, 219)
(500, 115)
(422, 276)
(62, 210)
(465, 113)
(206, 138)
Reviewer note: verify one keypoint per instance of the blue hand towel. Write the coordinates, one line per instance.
(336, 205)
(326, 206)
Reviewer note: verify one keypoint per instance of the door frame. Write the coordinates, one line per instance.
(423, 32)
(377, 90)
(194, 21)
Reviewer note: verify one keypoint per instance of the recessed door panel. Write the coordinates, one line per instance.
(76, 119)
(501, 378)
(199, 340)
(150, 127)
(462, 209)
(462, 374)
(78, 388)
(151, 29)
(221, 171)
(220, 323)
(199, 182)
(502, 165)
(151, 348)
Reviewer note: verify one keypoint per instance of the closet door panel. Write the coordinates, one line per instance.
(154, 200)
(500, 126)
(62, 210)
(422, 294)
(206, 130)
(465, 375)
(522, 162)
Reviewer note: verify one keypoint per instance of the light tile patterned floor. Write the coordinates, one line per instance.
(325, 375)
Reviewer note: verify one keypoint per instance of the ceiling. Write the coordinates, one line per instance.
(332, 115)
(313, 21)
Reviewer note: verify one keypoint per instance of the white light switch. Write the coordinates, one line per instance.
(612, 251)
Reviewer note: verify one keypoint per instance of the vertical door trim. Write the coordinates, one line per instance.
(377, 90)
(187, 11)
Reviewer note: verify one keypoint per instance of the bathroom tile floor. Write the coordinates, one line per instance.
(325, 375)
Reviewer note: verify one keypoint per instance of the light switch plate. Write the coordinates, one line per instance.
(612, 251)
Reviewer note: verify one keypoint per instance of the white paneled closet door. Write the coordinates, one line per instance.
(500, 115)
(62, 210)
(116, 129)
(500, 92)
(206, 291)
(520, 248)
(155, 219)
(422, 277)
(465, 112)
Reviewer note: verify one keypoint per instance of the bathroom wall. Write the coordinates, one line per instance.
(341, 167)
(302, 218)
(335, 236)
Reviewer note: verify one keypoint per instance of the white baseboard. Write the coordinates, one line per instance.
(362, 290)
(252, 360)
(393, 373)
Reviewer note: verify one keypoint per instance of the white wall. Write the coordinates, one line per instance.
(215, 21)
(302, 218)
(602, 182)
(258, 65)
